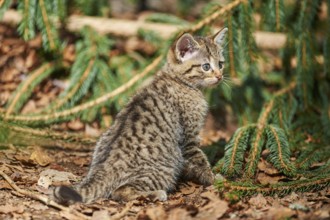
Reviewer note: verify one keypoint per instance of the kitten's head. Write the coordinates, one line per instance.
(198, 61)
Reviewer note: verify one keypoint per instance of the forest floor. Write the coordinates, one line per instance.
(38, 169)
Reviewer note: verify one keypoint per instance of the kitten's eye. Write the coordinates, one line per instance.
(220, 64)
(206, 66)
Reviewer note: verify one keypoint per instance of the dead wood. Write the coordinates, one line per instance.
(129, 28)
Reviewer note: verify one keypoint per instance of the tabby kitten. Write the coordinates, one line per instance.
(154, 140)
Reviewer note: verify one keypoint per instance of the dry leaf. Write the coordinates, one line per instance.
(101, 215)
(279, 213)
(156, 213)
(40, 157)
(258, 201)
(214, 209)
(49, 177)
(265, 179)
(179, 214)
(8, 208)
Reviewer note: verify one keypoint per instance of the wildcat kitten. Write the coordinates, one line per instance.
(154, 140)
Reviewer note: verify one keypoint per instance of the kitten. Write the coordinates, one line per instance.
(154, 140)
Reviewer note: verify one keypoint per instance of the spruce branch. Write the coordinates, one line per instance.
(45, 137)
(60, 102)
(231, 46)
(80, 108)
(248, 188)
(50, 38)
(277, 143)
(255, 152)
(235, 149)
(25, 89)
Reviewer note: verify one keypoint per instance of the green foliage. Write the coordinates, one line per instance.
(4, 5)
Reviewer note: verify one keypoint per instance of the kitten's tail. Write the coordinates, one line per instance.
(86, 192)
(66, 195)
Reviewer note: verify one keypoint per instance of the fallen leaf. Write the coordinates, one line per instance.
(279, 213)
(265, 179)
(156, 213)
(179, 214)
(101, 215)
(40, 157)
(214, 209)
(266, 167)
(258, 201)
(8, 208)
(50, 177)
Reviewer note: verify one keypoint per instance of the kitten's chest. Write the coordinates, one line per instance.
(194, 109)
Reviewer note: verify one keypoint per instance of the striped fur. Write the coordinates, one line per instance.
(154, 141)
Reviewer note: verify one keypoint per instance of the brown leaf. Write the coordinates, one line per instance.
(101, 215)
(266, 167)
(49, 177)
(8, 208)
(156, 213)
(214, 209)
(258, 201)
(266, 179)
(41, 157)
(76, 125)
(279, 213)
(179, 214)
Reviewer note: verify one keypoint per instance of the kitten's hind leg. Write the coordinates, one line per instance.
(128, 192)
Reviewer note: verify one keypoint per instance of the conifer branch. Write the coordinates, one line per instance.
(80, 108)
(211, 18)
(277, 12)
(27, 85)
(231, 46)
(277, 143)
(255, 152)
(235, 149)
(281, 188)
(76, 87)
(26, 15)
(47, 24)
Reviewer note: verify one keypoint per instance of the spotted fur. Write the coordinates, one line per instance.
(154, 140)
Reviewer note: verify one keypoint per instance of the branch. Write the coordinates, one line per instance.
(128, 28)
(42, 198)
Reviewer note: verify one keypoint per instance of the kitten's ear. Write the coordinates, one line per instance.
(186, 47)
(219, 37)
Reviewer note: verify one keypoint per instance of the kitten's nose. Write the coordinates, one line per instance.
(219, 76)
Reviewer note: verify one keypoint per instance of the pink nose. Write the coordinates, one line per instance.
(219, 77)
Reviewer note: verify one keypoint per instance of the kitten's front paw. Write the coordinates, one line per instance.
(206, 178)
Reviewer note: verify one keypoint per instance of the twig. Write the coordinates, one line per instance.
(41, 198)
(121, 214)
(128, 28)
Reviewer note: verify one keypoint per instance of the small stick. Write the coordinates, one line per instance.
(41, 198)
